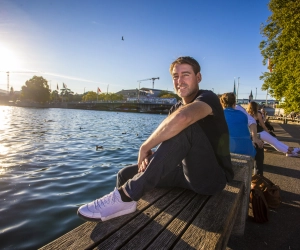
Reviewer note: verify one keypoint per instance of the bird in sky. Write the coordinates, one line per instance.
(122, 38)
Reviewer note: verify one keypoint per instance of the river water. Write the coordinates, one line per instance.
(49, 166)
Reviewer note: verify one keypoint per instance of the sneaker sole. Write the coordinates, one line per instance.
(118, 214)
(293, 156)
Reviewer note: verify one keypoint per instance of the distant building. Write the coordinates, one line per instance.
(145, 95)
(3, 92)
(250, 97)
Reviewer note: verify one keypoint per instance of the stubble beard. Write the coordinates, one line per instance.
(189, 93)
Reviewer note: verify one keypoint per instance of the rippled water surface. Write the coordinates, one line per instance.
(49, 166)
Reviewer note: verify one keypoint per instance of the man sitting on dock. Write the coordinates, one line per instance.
(192, 153)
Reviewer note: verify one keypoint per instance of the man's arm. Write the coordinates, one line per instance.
(173, 125)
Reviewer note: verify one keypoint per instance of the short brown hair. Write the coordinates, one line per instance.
(186, 60)
(228, 100)
(252, 108)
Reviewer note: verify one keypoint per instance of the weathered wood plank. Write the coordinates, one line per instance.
(89, 234)
(176, 228)
(129, 230)
(158, 225)
(212, 227)
(161, 214)
(242, 167)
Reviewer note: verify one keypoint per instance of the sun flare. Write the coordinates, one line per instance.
(8, 59)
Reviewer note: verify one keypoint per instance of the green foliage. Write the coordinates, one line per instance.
(282, 46)
(54, 97)
(36, 89)
(77, 97)
(92, 96)
(66, 94)
(13, 96)
(168, 94)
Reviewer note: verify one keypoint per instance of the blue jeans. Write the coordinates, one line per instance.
(186, 160)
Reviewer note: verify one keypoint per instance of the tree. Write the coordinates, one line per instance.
(89, 96)
(36, 89)
(13, 96)
(66, 93)
(115, 97)
(168, 94)
(54, 96)
(77, 97)
(11, 93)
(282, 50)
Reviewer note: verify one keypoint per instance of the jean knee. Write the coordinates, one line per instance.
(125, 174)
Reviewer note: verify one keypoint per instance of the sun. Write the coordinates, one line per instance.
(8, 59)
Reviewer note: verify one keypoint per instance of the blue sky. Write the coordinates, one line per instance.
(79, 43)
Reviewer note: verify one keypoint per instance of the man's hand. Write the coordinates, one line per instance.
(258, 142)
(143, 160)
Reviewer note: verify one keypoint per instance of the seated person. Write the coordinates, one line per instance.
(192, 150)
(265, 135)
(237, 121)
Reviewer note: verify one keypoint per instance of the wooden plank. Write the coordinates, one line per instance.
(243, 168)
(158, 225)
(212, 227)
(128, 231)
(176, 228)
(89, 234)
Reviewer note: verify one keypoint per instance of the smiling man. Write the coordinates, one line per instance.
(193, 150)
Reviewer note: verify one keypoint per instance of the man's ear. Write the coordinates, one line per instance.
(199, 77)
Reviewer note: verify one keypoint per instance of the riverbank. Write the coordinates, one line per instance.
(117, 106)
(282, 230)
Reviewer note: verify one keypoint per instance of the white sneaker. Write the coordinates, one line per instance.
(292, 154)
(296, 150)
(107, 207)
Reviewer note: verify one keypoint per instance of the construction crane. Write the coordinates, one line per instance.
(153, 79)
(19, 72)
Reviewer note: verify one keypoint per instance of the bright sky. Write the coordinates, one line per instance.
(79, 43)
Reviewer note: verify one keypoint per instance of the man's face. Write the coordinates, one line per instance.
(186, 83)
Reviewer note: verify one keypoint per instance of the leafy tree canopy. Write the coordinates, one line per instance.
(281, 48)
(36, 89)
(168, 94)
(54, 96)
(92, 96)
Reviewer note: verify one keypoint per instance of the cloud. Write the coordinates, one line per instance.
(69, 77)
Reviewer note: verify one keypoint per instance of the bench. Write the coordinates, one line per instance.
(172, 218)
(284, 119)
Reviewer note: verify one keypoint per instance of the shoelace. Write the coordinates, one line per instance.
(106, 200)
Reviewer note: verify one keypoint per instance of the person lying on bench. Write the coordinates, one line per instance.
(192, 150)
(263, 131)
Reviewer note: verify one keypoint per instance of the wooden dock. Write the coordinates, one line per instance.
(172, 218)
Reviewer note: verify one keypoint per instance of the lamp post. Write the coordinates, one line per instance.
(139, 93)
(237, 90)
(256, 93)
